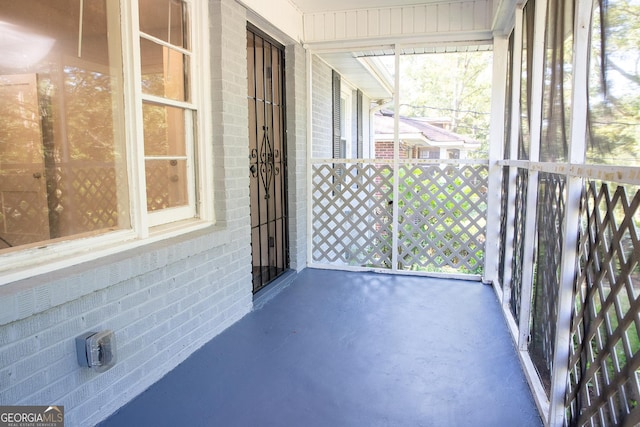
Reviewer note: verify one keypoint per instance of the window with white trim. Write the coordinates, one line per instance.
(167, 109)
(98, 133)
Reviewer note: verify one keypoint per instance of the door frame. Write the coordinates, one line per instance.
(262, 280)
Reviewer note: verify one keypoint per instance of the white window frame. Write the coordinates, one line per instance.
(145, 227)
(198, 169)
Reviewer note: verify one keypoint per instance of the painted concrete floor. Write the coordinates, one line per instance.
(351, 349)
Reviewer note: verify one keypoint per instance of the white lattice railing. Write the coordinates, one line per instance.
(440, 216)
(588, 366)
(604, 365)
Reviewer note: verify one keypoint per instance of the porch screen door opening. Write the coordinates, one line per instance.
(267, 171)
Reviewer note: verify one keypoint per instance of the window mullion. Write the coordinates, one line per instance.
(191, 163)
(158, 100)
(163, 43)
(135, 130)
(118, 115)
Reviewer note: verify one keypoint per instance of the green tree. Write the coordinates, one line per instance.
(456, 86)
(614, 84)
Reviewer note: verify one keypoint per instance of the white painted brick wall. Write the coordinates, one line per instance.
(163, 300)
(296, 90)
(322, 110)
(153, 315)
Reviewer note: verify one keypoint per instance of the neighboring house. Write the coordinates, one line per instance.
(419, 139)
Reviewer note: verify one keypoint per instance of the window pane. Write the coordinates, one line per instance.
(168, 130)
(62, 158)
(165, 145)
(164, 71)
(164, 130)
(166, 184)
(166, 20)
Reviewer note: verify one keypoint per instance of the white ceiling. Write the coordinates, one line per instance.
(311, 6)
(356, 65)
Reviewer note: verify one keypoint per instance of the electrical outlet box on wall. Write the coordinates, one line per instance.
(96, 350)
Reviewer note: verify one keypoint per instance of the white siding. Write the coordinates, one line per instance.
(295, 63)
(453, 20)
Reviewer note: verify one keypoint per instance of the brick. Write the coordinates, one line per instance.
(14, 352)
(172, 296)
(23, 389)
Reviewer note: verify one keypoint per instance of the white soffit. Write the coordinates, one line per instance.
(368, 77)
(363, 69)
(501, 11)
(442, 22)
(313, 6)
(419, 50)
(349, 34)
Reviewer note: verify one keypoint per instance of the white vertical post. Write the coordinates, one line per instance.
(516, 74)
(496, 152)
(536, 73)
(577, 150)
(309, 72)
(396, 155)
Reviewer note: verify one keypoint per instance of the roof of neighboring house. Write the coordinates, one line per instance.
(419, 130)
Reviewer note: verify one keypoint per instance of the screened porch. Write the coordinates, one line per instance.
(338, 348)
(570, 300)
(549, 220)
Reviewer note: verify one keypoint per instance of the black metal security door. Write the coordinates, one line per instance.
(269, 233)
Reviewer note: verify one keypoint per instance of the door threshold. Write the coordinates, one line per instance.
(265, 294)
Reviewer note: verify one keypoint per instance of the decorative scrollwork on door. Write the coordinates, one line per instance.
(267, 167)
(266, 163)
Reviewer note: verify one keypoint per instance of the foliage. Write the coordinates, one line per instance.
(441, 225)
(89, 115)
(614, 84)
(456, 86)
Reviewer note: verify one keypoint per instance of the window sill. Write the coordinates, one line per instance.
(63, 276)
